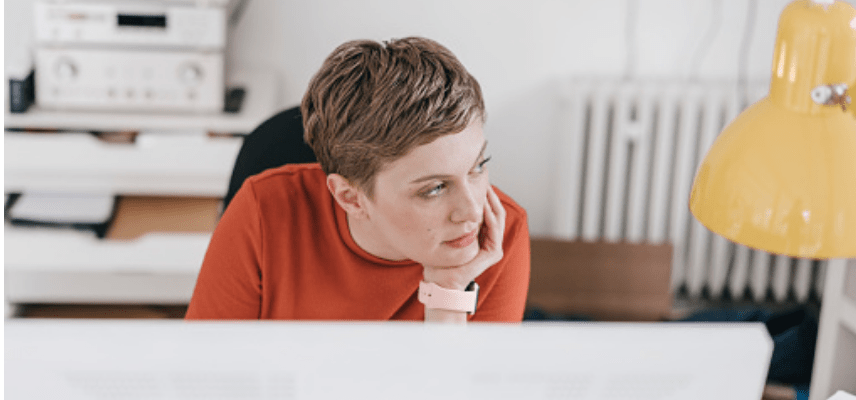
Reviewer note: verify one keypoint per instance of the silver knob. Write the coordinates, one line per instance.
(66, 69)
(190, 73)
(831, 95)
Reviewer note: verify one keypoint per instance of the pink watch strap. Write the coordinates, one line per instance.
(436, 297)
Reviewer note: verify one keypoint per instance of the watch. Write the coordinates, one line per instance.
(436, 297)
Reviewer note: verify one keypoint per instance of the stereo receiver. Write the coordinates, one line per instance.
(132, 55)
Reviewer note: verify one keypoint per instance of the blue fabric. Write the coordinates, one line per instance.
(537, 314)
(802, 392)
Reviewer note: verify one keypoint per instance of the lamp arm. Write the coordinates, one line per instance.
(853, 90)
(853, 85)
(832, 95)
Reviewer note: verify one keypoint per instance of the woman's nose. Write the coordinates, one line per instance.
(467, 207)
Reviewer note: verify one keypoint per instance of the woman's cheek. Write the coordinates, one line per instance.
(413, 224)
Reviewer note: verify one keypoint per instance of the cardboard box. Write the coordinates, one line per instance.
(138, 215)
(603, 281)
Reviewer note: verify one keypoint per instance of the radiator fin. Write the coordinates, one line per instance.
(629, 152)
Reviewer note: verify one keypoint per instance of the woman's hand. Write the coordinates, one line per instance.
(490, 250)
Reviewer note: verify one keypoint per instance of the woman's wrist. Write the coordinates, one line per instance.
(445, 316)
(444, 277)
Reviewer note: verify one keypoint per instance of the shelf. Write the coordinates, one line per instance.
(158, 268)
(171, 155)
(259, 104)
(156, 164)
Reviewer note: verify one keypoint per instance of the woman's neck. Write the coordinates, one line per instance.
(367, 237)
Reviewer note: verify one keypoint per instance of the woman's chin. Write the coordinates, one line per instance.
(447, 257)
(456, 257)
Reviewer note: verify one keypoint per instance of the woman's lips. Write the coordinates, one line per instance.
(462, 241)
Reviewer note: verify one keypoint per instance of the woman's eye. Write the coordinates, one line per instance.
(480, 166)
(434, 190)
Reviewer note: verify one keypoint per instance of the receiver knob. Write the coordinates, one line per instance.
(66, 69)
(190, 73)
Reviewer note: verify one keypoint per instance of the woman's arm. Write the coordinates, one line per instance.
(506, 251)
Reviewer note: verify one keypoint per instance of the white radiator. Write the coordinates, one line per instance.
(629, 152)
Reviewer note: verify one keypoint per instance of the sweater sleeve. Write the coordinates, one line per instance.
(229, 282)
(506, 299)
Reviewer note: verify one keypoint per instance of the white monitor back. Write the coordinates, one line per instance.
(91, 359)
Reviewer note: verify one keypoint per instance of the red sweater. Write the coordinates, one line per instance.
(282, 250)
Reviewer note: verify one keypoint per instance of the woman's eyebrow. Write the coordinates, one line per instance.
(481, 154)
(446, 176)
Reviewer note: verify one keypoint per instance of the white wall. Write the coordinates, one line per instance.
(517, 49)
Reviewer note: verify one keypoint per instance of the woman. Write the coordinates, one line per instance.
(397, 221)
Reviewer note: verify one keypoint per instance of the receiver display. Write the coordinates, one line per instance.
(146, 21)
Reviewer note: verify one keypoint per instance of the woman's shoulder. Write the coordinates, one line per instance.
(287, 172)
(289, 183)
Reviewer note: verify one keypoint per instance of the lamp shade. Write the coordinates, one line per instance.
(781, 177)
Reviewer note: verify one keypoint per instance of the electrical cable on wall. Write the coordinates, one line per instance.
(629, 30)
(706, 41)
(743, 58)
(238, 12)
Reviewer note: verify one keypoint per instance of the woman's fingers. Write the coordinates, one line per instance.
(494, 217)
(497, 210)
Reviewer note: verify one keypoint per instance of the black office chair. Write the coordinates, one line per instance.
(276, 142)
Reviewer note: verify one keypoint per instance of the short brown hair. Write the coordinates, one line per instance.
(371, 103)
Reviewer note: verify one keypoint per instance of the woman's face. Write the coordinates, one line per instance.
(428, 205)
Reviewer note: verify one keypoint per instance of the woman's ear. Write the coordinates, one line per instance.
(347, 195)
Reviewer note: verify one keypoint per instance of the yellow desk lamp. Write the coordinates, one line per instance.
(782, 176)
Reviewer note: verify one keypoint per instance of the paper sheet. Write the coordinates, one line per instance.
(82, 208)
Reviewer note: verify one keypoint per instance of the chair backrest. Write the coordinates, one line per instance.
(276, 142)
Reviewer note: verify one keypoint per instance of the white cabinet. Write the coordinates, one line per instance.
(173, 155)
